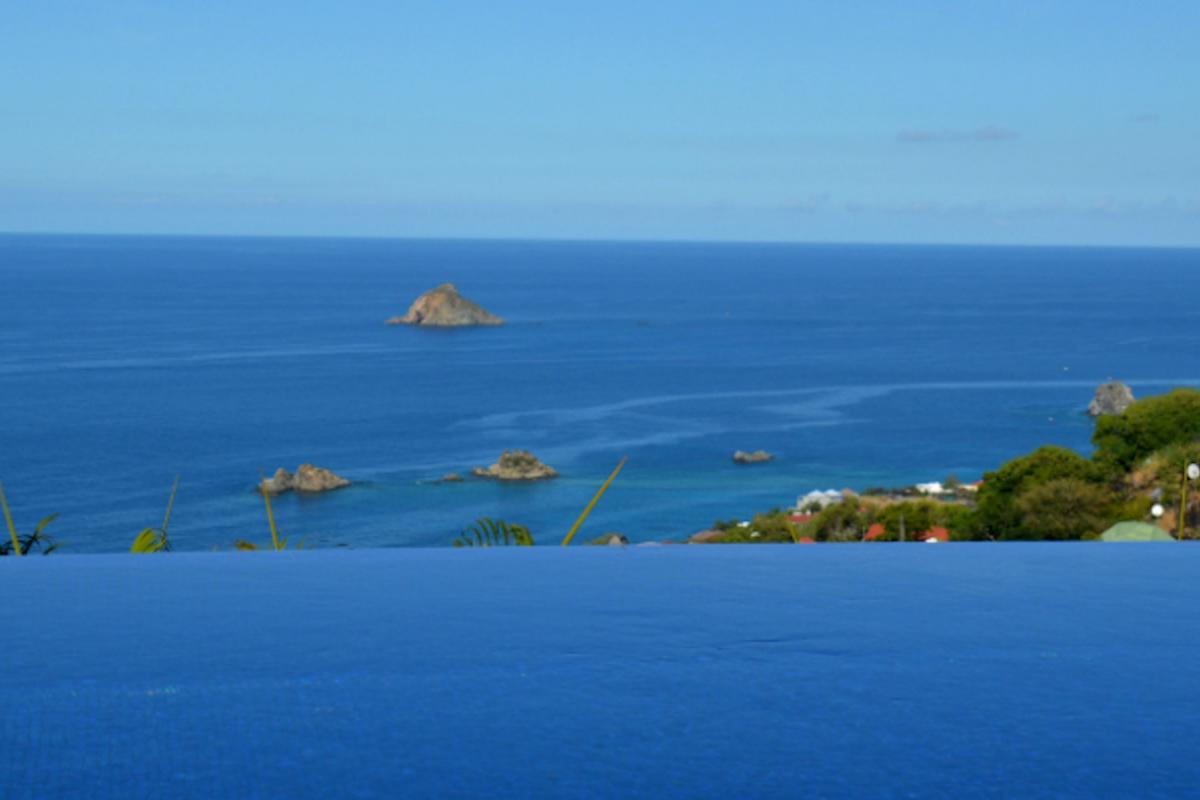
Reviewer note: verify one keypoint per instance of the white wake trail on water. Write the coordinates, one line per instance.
(830, 398)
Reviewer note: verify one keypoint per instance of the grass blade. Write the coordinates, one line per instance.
(12, 529)
(270, 514)
(588, 509)
(170, 505)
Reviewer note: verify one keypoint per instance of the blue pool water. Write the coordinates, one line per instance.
(972, 670)
(127, 361)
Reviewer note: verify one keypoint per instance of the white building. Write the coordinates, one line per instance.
(819, 498)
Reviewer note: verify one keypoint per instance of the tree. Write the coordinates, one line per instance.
(771, 526)
(844, 521)
(997, 513)
(918, 515)
(1064, 508)
(923, 515)
(1148, 425)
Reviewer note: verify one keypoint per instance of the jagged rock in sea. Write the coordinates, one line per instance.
(1111, 398)
(278, 483)
(451, 477)
(308, 479)
(444, 307)
(516, 465)
(704, 537)
(611, 540)
(757, 457)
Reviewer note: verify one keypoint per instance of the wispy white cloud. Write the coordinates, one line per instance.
(988, 133)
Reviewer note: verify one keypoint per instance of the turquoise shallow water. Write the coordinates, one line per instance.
(962, 670)
(127, 361)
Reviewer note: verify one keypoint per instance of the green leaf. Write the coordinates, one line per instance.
(148, 541)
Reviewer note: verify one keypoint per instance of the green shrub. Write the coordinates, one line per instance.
(997, 515)
(841, 522)
(1136, 508)
(774, 526)
(1148, 425)
(1064, 508)
(771, 526)
(1167, 467)
(923, 515)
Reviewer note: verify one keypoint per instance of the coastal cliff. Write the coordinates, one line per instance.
(444, 307)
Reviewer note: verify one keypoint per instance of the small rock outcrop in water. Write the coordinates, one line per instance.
(1111, 398)
(451, 477)
(307, 479)
(444, 307)
(516, 465)
(611, 540)
(757, 457)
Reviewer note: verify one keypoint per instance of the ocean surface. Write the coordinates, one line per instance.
(125, 361)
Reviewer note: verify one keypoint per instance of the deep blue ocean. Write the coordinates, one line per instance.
(125, 361)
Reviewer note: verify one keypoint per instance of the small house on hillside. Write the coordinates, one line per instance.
(818, 500)
(936, 534)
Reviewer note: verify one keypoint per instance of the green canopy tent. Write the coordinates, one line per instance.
(1135, 532)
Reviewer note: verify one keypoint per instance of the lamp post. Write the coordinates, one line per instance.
(1190, 473)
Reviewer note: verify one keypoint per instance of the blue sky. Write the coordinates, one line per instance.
(1008, 122)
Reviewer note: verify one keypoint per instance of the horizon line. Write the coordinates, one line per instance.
(589, 240)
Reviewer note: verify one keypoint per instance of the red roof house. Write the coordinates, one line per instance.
(939, 534)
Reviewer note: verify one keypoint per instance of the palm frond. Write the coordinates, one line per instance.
(23, 545)
(487, 532)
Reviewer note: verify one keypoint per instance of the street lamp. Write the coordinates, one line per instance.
(1190, 473)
